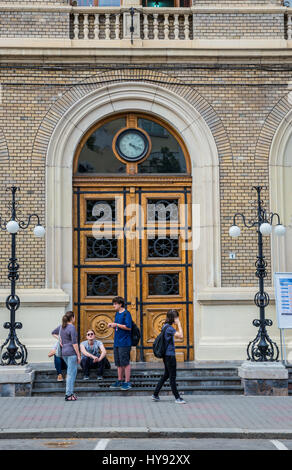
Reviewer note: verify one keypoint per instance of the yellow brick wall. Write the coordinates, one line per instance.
(239, 99)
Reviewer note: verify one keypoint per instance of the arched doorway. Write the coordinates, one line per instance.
(280, 168)
(132, 228)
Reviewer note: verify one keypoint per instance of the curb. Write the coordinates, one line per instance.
(139, 433)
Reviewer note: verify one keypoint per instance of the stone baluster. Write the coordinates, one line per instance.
(86, 26)
(76, 25)
(155, 26)
(166, 26)
(117, 26)
(107, 26)
(96, 26)
(176, 27)
(289, 25)
(146, 29)
(187, 27)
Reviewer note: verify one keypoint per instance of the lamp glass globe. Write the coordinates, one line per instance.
(12, 226)
(234, 231)
(280, 230)
(39, 231)
(266, 229)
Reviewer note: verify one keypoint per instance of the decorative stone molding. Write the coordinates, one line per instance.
(168, 82)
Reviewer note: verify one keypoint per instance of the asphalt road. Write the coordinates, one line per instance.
(144, 444)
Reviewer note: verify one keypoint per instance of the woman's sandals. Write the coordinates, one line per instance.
(70, 397)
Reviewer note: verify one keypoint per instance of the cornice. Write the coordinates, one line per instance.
(135, 180)
(91, 51)
(249, 9)
(37, 297)
(231, 295)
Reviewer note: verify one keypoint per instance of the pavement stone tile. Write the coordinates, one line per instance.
(213, 414)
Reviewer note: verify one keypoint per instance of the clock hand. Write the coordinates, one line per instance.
(135, 146)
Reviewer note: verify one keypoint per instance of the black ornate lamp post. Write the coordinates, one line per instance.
(262, 348)
(12, 352)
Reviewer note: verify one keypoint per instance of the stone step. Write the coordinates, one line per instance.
(143, 391)
(190, 380)
(146, 382)
(154, 373)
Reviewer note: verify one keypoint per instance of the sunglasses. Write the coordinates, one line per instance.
(90, 334)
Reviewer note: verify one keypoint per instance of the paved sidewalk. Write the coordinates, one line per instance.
(202, 416)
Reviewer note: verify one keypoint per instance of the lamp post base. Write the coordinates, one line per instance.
(264, 378)
(16, 381)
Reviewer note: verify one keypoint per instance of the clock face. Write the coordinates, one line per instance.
(132, 145)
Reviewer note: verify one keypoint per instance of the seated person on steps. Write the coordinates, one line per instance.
(93, 355)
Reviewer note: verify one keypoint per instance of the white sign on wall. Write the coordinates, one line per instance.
(283, 296)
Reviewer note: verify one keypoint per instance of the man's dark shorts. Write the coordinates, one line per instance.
(122, 356)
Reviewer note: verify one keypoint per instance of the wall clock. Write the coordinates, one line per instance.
(132, 145)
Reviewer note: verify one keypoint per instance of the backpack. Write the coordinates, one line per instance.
(160, 345)
(135, 333)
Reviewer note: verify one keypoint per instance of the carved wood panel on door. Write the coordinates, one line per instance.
(122, 248)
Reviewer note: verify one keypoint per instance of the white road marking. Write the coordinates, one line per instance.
(279, 445)
(102, 444)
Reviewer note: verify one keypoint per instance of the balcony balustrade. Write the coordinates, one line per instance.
(169, 26)
(149, 24)
(289, 26)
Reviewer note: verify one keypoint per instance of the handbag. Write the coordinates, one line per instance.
(59, 347)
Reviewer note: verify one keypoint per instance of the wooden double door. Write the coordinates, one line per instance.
(132, 238)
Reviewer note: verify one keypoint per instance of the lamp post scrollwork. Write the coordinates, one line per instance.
(12, 352)
(262, 348)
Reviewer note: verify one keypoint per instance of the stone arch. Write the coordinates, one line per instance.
(4, 154)
(276, 117)
(62, 132)
(269, 153)
(280, 193)
(102, 79)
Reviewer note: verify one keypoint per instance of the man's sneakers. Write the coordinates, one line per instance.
(86, 377)
(154, 398)
(180, 401)
(117, 385)
(126, 386)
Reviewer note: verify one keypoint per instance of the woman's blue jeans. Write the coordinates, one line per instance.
(71, 362)
(59, 364)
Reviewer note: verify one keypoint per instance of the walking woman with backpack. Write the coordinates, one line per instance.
(70, 351)
(168, 333)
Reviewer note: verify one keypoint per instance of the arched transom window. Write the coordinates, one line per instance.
(132, 144)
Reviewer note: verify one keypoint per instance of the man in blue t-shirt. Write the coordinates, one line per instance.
(122, 344)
